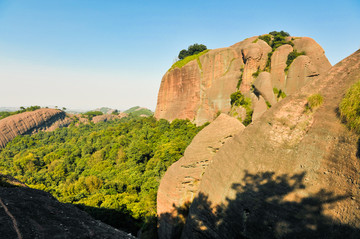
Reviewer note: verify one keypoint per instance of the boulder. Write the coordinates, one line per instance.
(260, 107)
(290, 174)
(263, 85)
(201, 89)
(300, 72)
(180, 183)
(278, 65)
(28, 213)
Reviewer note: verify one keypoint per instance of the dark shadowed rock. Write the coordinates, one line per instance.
(28, 213)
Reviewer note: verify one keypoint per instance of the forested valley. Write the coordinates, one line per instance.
(111, 170)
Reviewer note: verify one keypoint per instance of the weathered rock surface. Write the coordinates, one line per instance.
(278, 64)
(29, 213)
(202, 88)
(264, 86)
(107, 117)
(300, 72)
(180, 182)
(31, 122)
(260, 108)
(292, 174)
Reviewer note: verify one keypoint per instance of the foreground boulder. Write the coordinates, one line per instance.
(201, 89)
(180, 183)
(31, 122)
(294, 173)
(28, 213)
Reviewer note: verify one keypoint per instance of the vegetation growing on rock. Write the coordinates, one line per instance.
(350, 108)
(314, 101)
(291, 57)
(279, 94)
(192, 50)
(238, 99)
(187, 59)
(5, 114)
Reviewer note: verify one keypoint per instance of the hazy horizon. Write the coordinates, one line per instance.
(92, 54)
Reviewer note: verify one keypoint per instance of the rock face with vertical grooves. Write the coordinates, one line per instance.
(181, 181)
(30, 122)
(201, 89)
(294, 173)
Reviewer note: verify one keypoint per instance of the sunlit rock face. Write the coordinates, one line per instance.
(294, 173)
(201, 89)
(30, 122)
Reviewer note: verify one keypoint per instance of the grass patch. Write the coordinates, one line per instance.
(350, 108)
(279, 94)
(314, 101)
(183, 62)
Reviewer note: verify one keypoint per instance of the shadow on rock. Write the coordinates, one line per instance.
(265, 205)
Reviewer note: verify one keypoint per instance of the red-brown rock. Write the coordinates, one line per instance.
(180, 182)
(294, 173)
(31, 122)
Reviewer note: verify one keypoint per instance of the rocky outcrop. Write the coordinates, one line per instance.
(28, 213)
(180, 183)
(31, 122)
(294, 173)
(201, 89)
(107, 117)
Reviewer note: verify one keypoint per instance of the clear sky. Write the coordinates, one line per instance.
(87, 54)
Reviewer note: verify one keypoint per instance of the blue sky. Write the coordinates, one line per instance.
(87, 54)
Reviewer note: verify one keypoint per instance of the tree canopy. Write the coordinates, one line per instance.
(110, 169)
(192, 50)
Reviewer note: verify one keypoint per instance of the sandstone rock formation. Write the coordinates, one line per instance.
(180, 183)
(202, 88)
(107, 117)
(30, 122)
(28, 213)
(292, 174)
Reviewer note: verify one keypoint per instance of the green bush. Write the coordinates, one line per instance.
(238, 99)
(314, 101)
(350, 108)
(187, 59)
(291, 57)
(192, 50)
(266, 38)
(279, 94)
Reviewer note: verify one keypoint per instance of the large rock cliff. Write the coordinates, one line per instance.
(202, 88)
(294, 173)
(180, 183)
(30, 122)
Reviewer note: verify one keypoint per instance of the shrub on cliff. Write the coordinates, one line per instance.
(192, 50)
(238, 99)
(350, 108)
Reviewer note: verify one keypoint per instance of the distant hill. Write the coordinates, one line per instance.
(138, 111)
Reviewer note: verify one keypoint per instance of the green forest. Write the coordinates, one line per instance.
(111, 170)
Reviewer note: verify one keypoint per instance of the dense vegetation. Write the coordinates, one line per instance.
(238, 99)
(350, 108)
(138, 111)
(5, 114)
(110, 169)
(192, 50)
